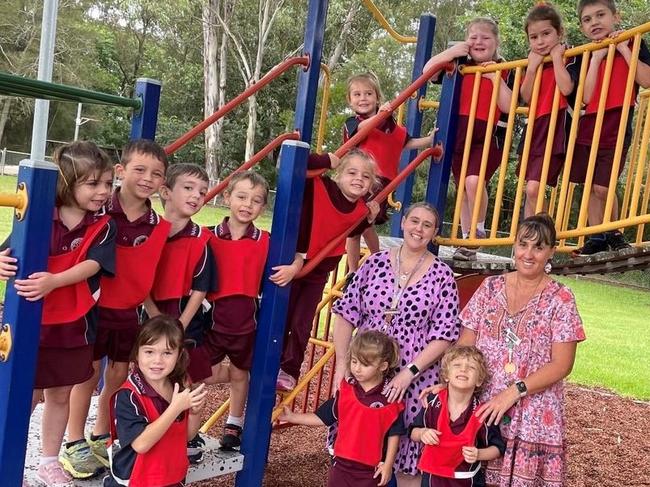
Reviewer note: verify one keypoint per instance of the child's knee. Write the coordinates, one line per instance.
(116, 373)
(238, 375)
(471, 185)
(532, 189)
(599, 192)
(59, 396)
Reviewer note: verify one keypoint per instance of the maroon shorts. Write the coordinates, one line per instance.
(346, 474)
(115, 344)
(602, 168)
(200, 364)
(534, 168)
(58, 367)
(238, 348)
(474, 163)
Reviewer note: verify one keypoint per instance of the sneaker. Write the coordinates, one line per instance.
(593, 245)
(53, 475)
(616, 241)
(231, 438)
(78, 460)
(285, 382)
(99, 448)
(465, 254)
(195, 448)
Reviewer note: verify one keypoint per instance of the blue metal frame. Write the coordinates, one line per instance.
(447, 123)
(145, 120)
(286, 217)
(423, 51)
(29, 243)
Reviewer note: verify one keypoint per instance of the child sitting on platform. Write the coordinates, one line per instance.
(369, 426)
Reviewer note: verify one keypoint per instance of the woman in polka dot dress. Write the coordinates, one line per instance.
(410, 295)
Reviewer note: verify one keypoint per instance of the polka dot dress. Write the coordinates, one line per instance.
(428, 310)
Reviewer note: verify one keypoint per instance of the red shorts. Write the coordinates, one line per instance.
(602, 168)
(115, 344)
(58, 367)
(200, 364)
(238, 348)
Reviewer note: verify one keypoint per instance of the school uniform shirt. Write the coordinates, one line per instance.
(130, 422)
(129, 233)
(328, 413)
(614, 101)
(63, 240)
(486, 436)
(203, 280)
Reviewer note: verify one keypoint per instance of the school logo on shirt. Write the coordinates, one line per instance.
(139, 240)
(76, 243)
(376, 405)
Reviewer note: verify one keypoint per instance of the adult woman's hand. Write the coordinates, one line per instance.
(339, 374)
(492, 411)
(396, 388)
(434, 389)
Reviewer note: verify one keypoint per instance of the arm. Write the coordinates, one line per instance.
(194, 420)
(534, 62)
(192, 306)
(419, 142)
(40, 284)
(150, 307)
(471, 454)
(467, 337)
(562, 76)
(642, 76)
(342, 336)
(305, 419)
(460, 49)
(592, 74)
(284, 274)
(385, 469)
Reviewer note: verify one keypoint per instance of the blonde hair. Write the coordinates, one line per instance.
(464, 351)
(251, 176)
(373, 346)
(369, 79)
(492, 26)
(77, 162)
(371, 166)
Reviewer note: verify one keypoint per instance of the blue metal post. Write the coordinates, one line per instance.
(423, 51)
(30, 245)
(273, 310)
(143, 125)
(447, 122)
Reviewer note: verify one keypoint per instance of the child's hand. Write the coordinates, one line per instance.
(198, 397)
(384, 471)
(460, 49)
(8, 265)
(373, 210)
(470, 454)
(283, 274)
(491, 76)
(430, 436)
(180, 400)
(435, 389)
(622, 47)
(334, 160)
(534, 61)
(286, 415)
(36, 286)
(385, 107)
(557, 51)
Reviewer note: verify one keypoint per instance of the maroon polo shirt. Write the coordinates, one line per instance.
(129, 233)
(63, 240)
(234, 315)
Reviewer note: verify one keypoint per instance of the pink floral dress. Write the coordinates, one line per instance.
(535, 434)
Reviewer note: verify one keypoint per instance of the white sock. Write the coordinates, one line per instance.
(481, 226)
(237, 421)
(465, 234)
(46, 460)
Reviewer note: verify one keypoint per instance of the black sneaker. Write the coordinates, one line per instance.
(616, 241)
(231, 438)
(593, 245)
(195, 448)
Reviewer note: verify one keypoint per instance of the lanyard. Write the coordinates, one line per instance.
(398, 290)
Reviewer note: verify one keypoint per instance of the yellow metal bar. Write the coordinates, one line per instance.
(640, 168)
(223, 409)
(11, 200)
(486, 154)
(526, 151)
(506, 154)
(428, 104)
(634, 156)
(573, 133)
(401, 113)
(548, 151)
(395, 204)
(618, 151)
(564, 221)
(552, 201)
(466, 151)
(379, 17)
(324, 106)
(644, 204)
(600, 114)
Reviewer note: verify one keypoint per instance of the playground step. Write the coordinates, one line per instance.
(215, 462)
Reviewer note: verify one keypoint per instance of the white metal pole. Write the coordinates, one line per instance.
(45, 63)
(77, 121)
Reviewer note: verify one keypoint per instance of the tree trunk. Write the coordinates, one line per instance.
(210, 83)
(355, 7)
(4, 116)
(228, 8)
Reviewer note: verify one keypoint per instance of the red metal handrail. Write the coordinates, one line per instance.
(252, 162)
(383, 115)
(265, 80)
(435, 152)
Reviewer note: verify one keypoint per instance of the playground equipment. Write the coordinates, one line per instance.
(23, 318)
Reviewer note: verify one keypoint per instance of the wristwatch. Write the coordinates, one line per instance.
(521, 388)
(414, 369)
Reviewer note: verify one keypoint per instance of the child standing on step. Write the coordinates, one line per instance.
(82, 249)
(154, 413)
(384, 143)
(369, 426)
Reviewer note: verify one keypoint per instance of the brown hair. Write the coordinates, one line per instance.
(544, 11)
(610, 4)
(184, 169)
(539, 228)
(146, 147)
(369, 79)
(254, 178)
(77, 161)
(464, 351)
(427, 206)
(367, 158)
(492, 26)
(372, 346)
(164, 326)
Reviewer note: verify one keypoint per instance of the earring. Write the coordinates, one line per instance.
(548, 267)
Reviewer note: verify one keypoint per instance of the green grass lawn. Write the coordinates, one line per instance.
(616, 319)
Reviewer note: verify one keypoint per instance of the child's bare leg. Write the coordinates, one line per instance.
(114, 375)
(80, 404)
(353, 251)
(597, 201)
(37, 396)
(220, 374)
(238, 391)
(55, 416)
(372, 239)
(404, 480)
(532, 192)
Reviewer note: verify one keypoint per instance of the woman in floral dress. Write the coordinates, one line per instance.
(410, 295)
(528, 327)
